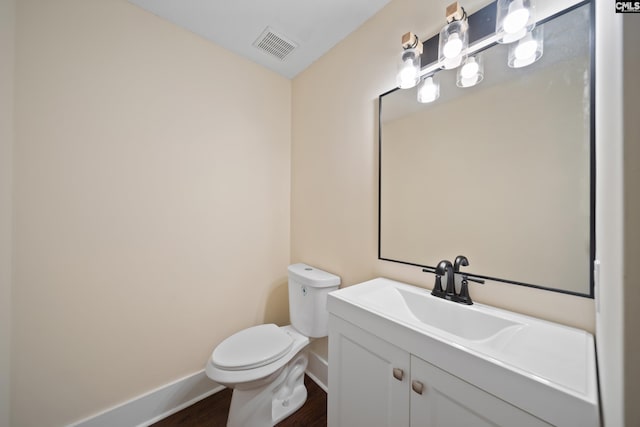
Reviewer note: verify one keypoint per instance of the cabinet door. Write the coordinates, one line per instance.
(368, 379)
(439, 399)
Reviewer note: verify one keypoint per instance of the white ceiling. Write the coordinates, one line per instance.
(315, 26)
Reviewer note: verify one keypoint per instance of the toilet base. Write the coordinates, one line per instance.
(272, 401)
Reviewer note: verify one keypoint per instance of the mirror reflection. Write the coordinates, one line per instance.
(499, 172)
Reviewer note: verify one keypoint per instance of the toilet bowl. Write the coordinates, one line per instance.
(265, 364)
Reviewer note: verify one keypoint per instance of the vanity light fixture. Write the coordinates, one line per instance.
(514, 19)
(514, 23)
(528, 49)
(428, 91)
(409, 65)
(454, 39)
(471, 72)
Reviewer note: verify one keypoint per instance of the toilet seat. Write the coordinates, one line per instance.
(238, 377)
(252, 348)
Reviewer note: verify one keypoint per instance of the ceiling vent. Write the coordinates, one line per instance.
(274, 44)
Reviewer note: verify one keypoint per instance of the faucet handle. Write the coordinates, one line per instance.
(437, 287)
(464, 296)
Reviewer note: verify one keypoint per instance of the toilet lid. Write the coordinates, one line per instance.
(251, 348)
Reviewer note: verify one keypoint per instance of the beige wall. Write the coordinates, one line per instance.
(334, 165)
(152, 184)
(7, 31)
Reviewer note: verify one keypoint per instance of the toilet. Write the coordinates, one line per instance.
(265, 364)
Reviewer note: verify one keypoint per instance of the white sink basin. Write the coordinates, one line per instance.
(551, 366)
(467, 323)
(417, 305)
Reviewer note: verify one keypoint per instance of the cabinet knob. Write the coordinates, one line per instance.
(417, 386)
(398, 374)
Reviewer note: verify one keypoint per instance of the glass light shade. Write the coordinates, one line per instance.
(528, 49)
(428, 91)
(471, 72)
(514, 19)
(409, 69)
(453, 43)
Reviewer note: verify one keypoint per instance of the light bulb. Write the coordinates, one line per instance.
(409, 69)
(453, 46)
(526, 49)
(428, 91)
(407, 76)
(471, 73)
(516, 18)
(469, 69)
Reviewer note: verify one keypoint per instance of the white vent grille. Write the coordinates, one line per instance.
(274, 44)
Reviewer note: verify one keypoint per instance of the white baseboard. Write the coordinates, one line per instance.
(318, 370)
(155, 405)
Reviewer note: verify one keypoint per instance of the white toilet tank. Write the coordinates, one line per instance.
(308, 289)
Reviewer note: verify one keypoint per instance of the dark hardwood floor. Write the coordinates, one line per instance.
(213, 411)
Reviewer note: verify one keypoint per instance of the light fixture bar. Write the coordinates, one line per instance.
(476, 47)
(481, 34)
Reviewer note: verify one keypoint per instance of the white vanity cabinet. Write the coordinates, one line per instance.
(441, 399)
(368, 379)
(474, 365)
(375, 383)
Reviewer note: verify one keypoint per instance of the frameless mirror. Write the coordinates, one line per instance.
(500, 172)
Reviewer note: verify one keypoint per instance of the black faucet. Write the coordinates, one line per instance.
(445, 267)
